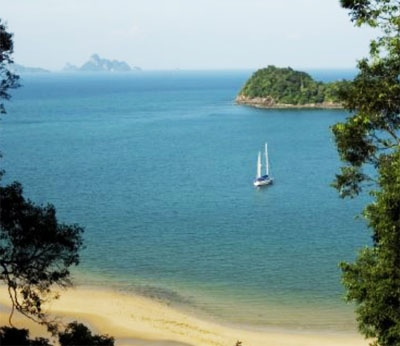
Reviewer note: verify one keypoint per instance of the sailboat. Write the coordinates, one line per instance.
(261, 179)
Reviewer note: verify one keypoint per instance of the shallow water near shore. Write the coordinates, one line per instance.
(158, 168)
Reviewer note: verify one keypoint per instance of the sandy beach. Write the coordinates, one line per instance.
(138, 321)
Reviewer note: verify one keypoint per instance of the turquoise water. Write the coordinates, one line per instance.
(158, 168)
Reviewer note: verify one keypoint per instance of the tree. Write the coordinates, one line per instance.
(8, 79)
(368, 143)
(373, 98)
(10, 336)
(78, 334)
(75, 334)
(36, 252)
(373, 281)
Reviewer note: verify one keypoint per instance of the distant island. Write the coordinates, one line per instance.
(19, 69)
(94, 64)
(274, 87)
(98, 64)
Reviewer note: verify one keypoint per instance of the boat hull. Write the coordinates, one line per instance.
(263, 181)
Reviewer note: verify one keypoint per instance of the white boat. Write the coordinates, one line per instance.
(263, 179)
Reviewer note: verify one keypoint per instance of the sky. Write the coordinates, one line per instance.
(185, 34)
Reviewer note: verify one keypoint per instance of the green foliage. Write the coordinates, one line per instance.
(8, 80)
(36, 252)
(373, 128)
(373, 97)
(286, 86)
(373, 281)
(348, 182)
(10, 336)
(77, 334)
(370, 137)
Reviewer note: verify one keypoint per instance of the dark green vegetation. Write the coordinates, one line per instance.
(275, 87)
(36, 252)
(370, 137)
(8, 80)
(10, 336)
(75, 334)
(78, 334)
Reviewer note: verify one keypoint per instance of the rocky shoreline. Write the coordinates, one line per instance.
(269, 103)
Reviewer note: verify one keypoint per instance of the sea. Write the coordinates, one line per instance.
(158, 167)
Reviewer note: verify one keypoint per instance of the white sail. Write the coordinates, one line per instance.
(262, 180)
(259, 165)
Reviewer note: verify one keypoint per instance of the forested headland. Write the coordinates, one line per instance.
(274, 87)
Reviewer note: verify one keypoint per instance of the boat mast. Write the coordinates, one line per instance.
(266, 160)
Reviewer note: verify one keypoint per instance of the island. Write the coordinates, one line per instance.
(20, 69)
(98, 64)
(274, 87)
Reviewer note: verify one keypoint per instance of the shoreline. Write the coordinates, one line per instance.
(269, 103)
(135, 320)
